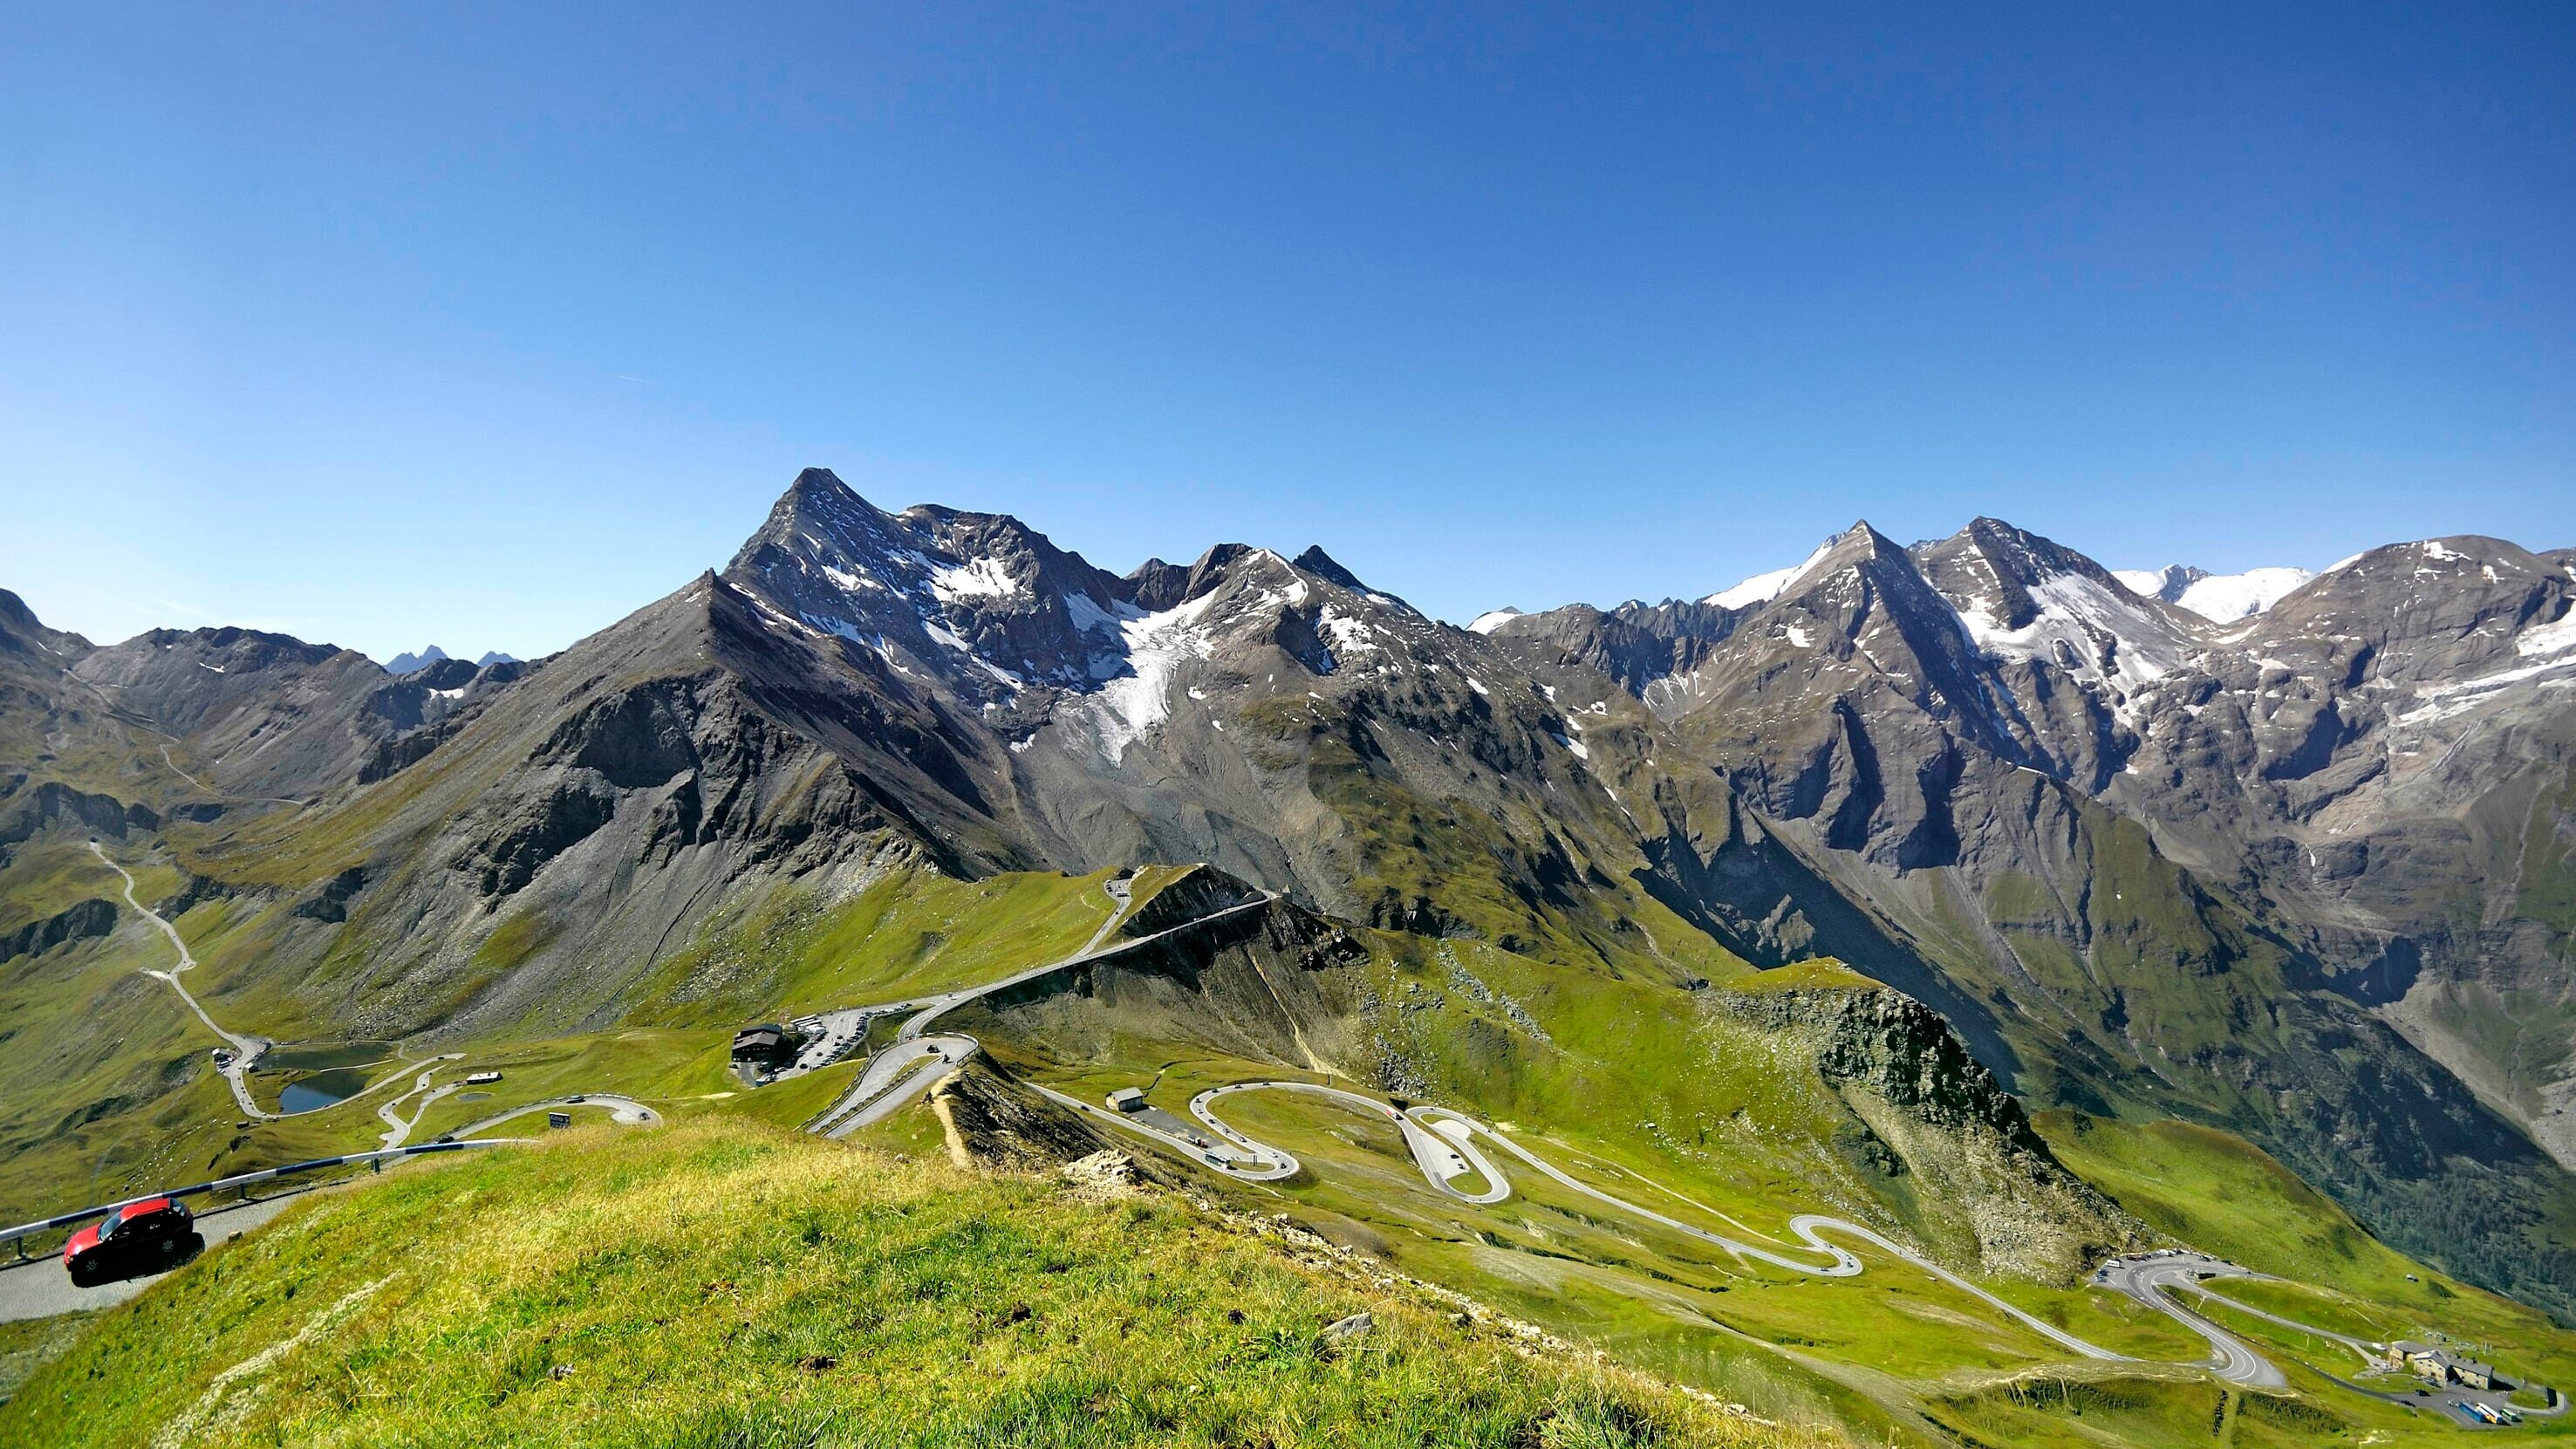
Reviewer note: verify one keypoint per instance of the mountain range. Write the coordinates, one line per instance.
(2288, 856)
(410, 663)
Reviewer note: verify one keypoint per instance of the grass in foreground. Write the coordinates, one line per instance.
(724, 1283)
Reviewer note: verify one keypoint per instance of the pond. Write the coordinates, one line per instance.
(321, 1090)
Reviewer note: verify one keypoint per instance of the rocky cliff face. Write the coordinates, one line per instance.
(2143, 858)
(92, 917)
(1929, 1111)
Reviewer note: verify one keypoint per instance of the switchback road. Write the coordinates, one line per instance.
(245, 1049)
(918, 1060)
(2151, 1279)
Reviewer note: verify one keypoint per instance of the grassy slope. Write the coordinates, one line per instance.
(28, 1344)
(1631, 1087)
(731, 1284)
(2225, 1196)
(910, 933)
(1636, 1090)
(91, 1050)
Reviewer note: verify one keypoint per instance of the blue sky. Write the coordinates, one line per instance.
(482, 325)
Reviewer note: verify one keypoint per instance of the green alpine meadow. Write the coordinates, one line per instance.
(912, 986)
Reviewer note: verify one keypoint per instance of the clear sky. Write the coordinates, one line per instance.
(486, 324)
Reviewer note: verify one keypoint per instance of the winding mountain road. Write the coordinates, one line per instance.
(2151, 1281)
(246, 1050)
(893, 1077)
(919, 1060)
(1447, 1147)
(625, 1111)
(1442, 1143)
(398, 1129)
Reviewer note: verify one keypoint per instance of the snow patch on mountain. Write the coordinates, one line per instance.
(1154, 646)
(2166, 583)
(2219, 598)
(2088, 630)
(2556, 637)
(2227, 598)
(2550, 645)
(1763, 588)
(1090, 617)
(975, 578)
(1348, 635)
(1487, 623)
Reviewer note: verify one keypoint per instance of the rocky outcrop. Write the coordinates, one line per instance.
(92, 917)
(989, 1121)
(25, 811)
(1929, 1111)
(1199, 891)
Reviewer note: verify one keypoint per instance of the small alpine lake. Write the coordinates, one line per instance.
(321, 1089)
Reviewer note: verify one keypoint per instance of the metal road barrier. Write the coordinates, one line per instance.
(18, 1235)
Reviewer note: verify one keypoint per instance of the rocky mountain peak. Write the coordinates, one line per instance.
(2167, 583)
(410, 663)
(1322, 565)
(2458, 614)
(21, 632)
(1156, 585)
(979, 599)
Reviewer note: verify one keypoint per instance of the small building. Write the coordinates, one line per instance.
(1128, 1099)
(481, 1079)
(768, 1044)
(2442, 1366)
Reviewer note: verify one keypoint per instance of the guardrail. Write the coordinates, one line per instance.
(18, 1235)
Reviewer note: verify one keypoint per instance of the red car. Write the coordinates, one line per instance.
(140, 1237)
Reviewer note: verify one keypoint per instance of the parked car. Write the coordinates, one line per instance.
(140, 1237)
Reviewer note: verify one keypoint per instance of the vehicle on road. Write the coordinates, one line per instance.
(141, 1237)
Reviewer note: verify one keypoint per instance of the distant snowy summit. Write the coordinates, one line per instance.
(407, 663)
(2219, 598)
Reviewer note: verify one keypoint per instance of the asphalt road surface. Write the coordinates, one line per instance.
(935, 1006)
(398, 1128)
(245, 1049)
(919, 1059)
(39, 1288)
(2152, 1280)
(1443, 1144)
(893, 1077)
(625, 1111)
